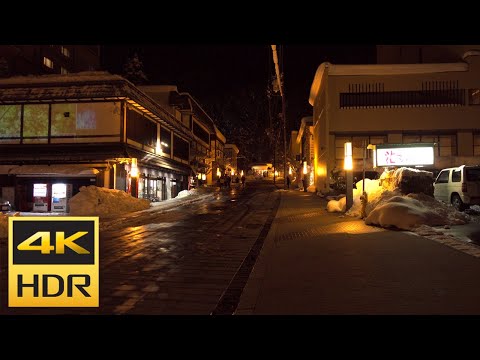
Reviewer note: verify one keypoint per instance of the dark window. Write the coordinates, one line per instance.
(180, 148)
(165, 140)
(452, 96)
(473, 174)
(443, 177)
(140, 129)
(456, 176)
(200, 133)
(474, 96)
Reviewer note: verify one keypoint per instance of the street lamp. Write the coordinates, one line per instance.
(348, 166)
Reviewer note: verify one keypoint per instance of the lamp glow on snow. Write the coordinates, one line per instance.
(134, 168)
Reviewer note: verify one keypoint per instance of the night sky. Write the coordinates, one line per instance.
(212, 73)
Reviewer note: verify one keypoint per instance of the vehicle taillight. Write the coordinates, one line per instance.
(464, 187)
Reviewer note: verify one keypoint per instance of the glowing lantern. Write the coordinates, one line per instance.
(134, 168)
(348, 162)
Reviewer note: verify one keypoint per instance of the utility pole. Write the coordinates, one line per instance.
(280, 85)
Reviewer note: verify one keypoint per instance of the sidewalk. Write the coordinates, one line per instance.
(314, 262)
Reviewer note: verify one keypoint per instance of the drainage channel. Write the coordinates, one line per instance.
(231, 297)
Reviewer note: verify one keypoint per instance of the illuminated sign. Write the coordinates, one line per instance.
(405, 154)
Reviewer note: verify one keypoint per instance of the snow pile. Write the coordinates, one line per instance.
(372, 188)
(387, 206)
(337, 205)
(405, 213)
(4, 224)
(93, 200)
(312, 189)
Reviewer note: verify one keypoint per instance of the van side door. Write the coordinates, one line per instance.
(441, 188)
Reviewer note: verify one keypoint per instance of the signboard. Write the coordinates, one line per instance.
(405, 154)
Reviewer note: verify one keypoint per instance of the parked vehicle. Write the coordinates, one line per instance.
(5, 206)
(459, 186)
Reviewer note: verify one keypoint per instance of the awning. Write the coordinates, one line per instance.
(49, 170)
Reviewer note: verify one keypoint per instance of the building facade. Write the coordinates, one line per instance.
(48, 59)
(207, 148)
(231, 154)
(87, 129)
(395, 104)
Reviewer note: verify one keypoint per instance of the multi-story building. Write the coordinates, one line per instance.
(87, 129)
(396, 104)
(422, 54)
(231, 154)
(48, 59)
(207, 149)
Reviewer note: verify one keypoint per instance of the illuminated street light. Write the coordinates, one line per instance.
(348, 166)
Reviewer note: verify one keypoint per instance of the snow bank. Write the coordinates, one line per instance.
(405, 213)
(388, 207)
(93, 200)
(312, 189)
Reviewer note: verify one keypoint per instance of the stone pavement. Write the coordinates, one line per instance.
(315, 262)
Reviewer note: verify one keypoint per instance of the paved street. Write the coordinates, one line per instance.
(239, 254)
(181, 265)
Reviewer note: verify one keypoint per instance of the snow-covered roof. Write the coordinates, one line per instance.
(85, 76)
(306, 121)
(378, 69)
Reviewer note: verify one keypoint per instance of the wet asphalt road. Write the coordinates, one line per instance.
(181, 263)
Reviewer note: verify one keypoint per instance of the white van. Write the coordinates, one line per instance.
(459, 186)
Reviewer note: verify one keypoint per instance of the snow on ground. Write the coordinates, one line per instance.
(93, 200)
(387, 207)
(116, 207)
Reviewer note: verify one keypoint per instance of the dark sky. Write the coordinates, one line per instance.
(212, 72)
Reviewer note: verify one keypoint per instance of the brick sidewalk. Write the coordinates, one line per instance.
(314, 262)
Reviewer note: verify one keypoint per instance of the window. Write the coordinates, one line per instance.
(474, 96)
(443, 177)
(457, 175)
(165, 140)
(180, 148)
(65, 51)
(47, 62)
(63, 70)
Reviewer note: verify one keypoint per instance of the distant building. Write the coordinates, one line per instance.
(422, 54)
(231, 153)
(395, 104)
(207, 150)
(49, 59)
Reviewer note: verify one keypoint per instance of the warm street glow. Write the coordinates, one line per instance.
(348, 162)
(241, 173)
(304, 167)
(204, 177)
(289, 171)
(134, 168)
(199, 176)
(218, 172)
(233, 172)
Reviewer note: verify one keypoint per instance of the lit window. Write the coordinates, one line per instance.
(65, 51)
(63, 70)
(47, 62)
